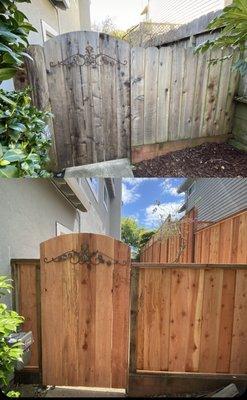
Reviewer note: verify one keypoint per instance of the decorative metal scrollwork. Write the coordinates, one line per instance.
(85, 257)
(88, 59)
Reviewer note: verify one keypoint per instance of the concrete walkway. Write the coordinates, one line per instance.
(107, 169)
(84, 392)
(34, 391)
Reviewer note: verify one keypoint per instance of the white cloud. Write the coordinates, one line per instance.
(129, 194)
(168, 187)
(130, 189)
(155, 215)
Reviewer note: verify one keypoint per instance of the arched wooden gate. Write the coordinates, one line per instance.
(85, 283)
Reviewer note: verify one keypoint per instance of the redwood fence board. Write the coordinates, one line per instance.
(26, 301)
(191, 319)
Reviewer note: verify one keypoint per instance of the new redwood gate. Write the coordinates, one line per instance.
(85, 282)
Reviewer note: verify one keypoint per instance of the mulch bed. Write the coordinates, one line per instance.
(207, 160)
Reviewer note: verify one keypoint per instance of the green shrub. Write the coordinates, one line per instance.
(233, 25)
(9, 355)
(14, 31)
(24, 144)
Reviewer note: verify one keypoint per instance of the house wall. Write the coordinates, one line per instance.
(77, 17)
(181, 12)
(29, 210)
(98, 219)
(216, 198)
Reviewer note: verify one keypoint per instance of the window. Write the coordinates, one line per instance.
(191, 189)
(94, 186)
(47, 31)
(62, 230)
(106, 198)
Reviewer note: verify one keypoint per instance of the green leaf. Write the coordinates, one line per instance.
(14, 155)
(18, 126)
(10, 171)
(7, 99)
(7, 73)
(4, 162)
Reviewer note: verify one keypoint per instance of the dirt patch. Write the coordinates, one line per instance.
(207, 160)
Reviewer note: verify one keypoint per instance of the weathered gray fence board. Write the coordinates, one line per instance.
(59, 104)
(137, 93)
(163, 99)
(151, 92)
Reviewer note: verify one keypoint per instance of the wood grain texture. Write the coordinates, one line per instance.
(27, 289)
(82, 309)
(190, 99)
(90, 103)
(191, 320)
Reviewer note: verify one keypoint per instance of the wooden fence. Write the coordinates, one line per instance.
(110, 101)
(26, 301)
(178, 100)
(189, 318)
(220, 242)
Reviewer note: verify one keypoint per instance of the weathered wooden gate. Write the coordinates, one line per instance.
(85, 281)
(85, 78)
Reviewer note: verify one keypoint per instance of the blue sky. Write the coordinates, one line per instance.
(141, 196)
(124, 14)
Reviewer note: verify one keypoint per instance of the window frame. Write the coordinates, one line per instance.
(96, 194)
(62, 229)
(108, 197)
(46, 30)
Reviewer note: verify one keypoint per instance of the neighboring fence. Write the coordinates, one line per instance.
(178, 100)
(144, 32)
(187, 35)
(200, 242)
(111, 102)
(189, 318)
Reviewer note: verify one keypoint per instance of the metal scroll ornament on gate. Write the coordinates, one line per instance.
(84, 256)
(88, 59)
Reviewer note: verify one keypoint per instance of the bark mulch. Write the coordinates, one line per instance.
(207, 160)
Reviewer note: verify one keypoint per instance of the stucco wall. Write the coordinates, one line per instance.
(75, 18)
(29, 210)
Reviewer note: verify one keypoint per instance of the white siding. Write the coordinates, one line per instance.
(181, 12)
(217, 198)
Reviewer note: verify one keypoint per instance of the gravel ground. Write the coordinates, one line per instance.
(208, 160)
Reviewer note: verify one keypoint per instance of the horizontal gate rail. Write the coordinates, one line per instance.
(190, 266)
